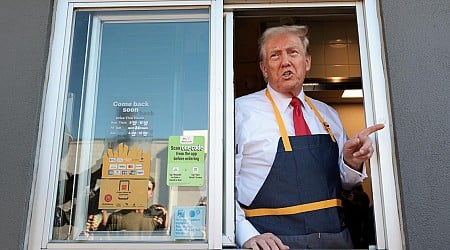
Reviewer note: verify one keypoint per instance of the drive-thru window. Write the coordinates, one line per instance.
(139, 111)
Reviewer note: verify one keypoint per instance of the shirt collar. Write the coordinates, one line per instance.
(283, 101)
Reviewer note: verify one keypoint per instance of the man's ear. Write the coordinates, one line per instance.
(263, 68)
(308, 62)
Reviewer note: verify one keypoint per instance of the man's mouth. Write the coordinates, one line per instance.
(287, 74)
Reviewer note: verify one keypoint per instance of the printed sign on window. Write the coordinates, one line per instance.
(189, 222)
(186, 161)
(125, 162)
(123, 194)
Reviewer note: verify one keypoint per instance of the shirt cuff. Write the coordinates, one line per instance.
(352, 177)
(244, 231)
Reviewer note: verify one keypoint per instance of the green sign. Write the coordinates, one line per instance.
(186, 163)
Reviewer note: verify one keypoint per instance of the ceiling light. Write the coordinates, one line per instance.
(338, 45)
(311, 84)
(352, 93)
(336, 79)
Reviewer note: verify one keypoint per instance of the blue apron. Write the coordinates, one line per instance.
(299, 200)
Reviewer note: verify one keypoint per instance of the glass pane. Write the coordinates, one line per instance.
(133, 163)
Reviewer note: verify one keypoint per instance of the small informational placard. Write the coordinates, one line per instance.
(126, 163)
(189, 222)
(123, 194)
(186, 161)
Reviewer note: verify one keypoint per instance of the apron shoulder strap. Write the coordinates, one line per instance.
(283, 132)
(325, 124)
(282, 128)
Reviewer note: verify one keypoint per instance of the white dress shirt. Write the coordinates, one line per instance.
(256, 137)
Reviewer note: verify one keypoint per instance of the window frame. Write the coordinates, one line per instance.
(52, 119)
(385, 187)
(389, 234)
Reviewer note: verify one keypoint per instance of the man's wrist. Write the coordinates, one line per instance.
(358, 168)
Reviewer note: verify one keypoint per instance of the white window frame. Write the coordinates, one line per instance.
(385, 188)
(221, 123)
(229, 209)
(47, 159)
(389, 234)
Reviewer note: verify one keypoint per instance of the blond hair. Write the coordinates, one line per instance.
(298, 30)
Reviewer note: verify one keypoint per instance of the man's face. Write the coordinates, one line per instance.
(285, 63)
(150, 190)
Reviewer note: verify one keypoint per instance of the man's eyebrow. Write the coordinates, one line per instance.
(293, 47)
(274, 50)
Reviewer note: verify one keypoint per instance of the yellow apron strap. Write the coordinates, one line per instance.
(325, 125)
(303, 208)
(283, 132)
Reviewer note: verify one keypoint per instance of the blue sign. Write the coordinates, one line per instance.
(189, 222)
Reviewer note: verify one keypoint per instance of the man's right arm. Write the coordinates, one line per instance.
(244, 229)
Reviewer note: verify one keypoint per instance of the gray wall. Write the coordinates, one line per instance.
(24, 27)
(417, 40)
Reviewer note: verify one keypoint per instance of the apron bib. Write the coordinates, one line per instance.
(300, 199)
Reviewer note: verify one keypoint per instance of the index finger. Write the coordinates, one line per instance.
(371, 129)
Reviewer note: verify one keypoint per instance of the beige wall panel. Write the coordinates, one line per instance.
(352, 116)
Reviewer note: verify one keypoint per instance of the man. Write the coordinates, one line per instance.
(288, 188)
(132, 220)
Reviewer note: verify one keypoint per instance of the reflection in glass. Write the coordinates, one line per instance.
(132, 85)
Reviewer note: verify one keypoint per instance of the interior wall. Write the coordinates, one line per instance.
(334, 49)
(352, 117)
(247, 75)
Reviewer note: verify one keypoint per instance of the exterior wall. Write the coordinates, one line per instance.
(24, 26)
(417, 52)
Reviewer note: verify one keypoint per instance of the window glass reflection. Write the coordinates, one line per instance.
(137, 94)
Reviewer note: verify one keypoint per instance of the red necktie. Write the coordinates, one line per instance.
(301, 128)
